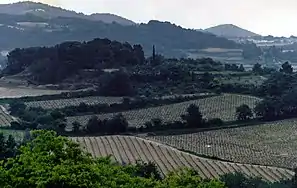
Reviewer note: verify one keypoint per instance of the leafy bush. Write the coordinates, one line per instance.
(8, 147)
(49, 160)
(16, 107)
(193, 117)
(243, 112)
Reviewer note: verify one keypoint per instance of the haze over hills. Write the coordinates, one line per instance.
(230, 31)
(47, 11)
(30, 24)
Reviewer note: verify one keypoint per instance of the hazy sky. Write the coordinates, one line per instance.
(276, 17)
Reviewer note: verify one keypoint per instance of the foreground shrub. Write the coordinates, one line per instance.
(53, 161)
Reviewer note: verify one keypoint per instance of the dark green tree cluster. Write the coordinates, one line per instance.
(206, 80)
(117, 84)
(286, 68)
(258, 69)
(156, 59)
(36, 118)
(176, 76)
(148, 170)
(272, 108)
(53, 64)
(244, 112)
(234, 67)
(251, 51)
(8, 147)
(193, 117)
(279, 93)
(117, 124)
(276, 85)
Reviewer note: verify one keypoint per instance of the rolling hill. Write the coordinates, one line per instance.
(21, 31)
(130, 149)
(47, 11)
(230, 31)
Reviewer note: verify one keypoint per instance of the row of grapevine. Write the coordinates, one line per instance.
(61, 103)
(94, 100)
(129, 149)
(5, 118)
(223, 107)
(273, 143)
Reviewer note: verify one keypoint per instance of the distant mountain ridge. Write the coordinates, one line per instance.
(230, 31)
(47, 11)
(28, 24)
(21, 31)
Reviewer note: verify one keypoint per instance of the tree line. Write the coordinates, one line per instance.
(39, 118)
(83, 65)
(53, 64)
(80, 63)
(278, 95)
(8, 147)
(192, 119)
(128, 104)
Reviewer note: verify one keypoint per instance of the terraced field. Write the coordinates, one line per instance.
(129, 149)
(5, 118)
(223, 107)
(61, 103)
(273, 144)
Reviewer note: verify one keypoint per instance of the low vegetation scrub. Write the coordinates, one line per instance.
(243, 113)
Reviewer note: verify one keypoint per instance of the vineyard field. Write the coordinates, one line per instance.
(223, 106)
(272, 144)
(5, 118)
(130, 149)
(61, 103)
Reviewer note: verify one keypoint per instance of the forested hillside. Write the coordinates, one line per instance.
(48, 11)
(29, 30)
(53, 64)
